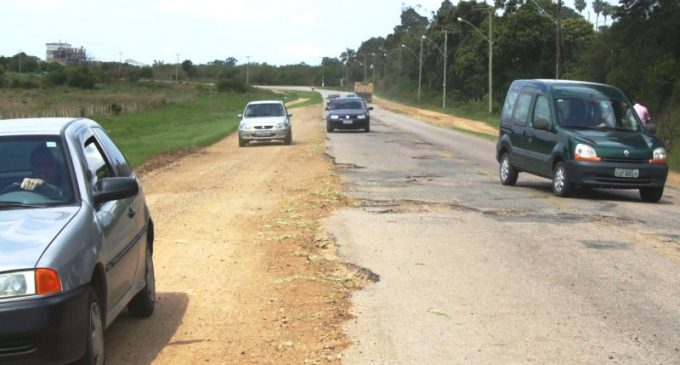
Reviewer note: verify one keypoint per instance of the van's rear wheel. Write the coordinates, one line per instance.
(651, 195)
(560, 184)
(506, 171)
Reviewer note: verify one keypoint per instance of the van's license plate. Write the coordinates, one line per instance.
(631, 173)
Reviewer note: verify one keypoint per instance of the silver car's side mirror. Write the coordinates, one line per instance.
(290, 115)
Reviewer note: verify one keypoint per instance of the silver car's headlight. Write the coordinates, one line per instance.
(16, 284)
(362, 116)
(244, 127)
(281, 125)
(335, 117)
(29, 282)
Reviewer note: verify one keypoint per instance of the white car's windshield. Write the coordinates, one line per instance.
(264, 110)
(596, 114)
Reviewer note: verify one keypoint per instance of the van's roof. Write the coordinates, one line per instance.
(566, 88)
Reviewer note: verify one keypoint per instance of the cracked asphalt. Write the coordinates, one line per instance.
(473, 272)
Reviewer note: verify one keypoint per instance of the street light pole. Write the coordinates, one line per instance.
(558, 35)
(490, 40)
(420, 69)
(323, 74)
(445, 58)
(420, 59)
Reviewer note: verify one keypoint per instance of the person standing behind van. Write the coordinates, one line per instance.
(641, 111)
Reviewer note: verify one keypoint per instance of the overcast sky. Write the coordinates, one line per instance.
(277, 32)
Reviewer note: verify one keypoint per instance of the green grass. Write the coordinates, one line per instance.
(313, 97)
(198, 122)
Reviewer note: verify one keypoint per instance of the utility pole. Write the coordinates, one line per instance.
(177, 69)
(323, 74)
(365, 67)
(120, 61)
(248, 70)
(20, 52)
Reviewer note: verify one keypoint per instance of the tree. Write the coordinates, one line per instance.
(597, 9)
(580, 5)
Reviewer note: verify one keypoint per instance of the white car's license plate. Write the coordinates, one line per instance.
(631, 173)
(347, 121)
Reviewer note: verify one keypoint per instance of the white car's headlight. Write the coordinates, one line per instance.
(281, 125)
(334, 117)
(29, 282)
(584, 152)
(362, 116)
(659, 156)
(244, 126)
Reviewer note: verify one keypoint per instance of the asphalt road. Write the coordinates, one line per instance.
(471, 271)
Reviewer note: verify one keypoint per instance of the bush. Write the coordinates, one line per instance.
(56, 77)
(228, 85)
(81, 78)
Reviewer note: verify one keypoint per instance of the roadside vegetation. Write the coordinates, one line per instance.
(524, 37)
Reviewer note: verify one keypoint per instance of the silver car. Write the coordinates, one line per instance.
(76, 241)
(265, 120)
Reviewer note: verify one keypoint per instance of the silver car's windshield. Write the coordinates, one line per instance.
(264, 110)
(592, 113)
(33, 172)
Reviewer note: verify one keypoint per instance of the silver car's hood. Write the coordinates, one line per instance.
(263, 121)
(26, 233)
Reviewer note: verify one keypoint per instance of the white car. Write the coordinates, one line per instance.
(265, 120)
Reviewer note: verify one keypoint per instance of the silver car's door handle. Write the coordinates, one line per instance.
(131, 212)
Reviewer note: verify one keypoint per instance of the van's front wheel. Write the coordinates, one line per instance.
(561, 185)
(506, 171)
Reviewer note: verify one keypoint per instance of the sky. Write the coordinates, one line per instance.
(276, 32)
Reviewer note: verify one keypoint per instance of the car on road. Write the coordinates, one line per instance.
(330, 98)
(265, 120)
(348, 113)
(76, 241)
(579, 134)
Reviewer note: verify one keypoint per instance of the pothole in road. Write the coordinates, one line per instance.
(523, 215)
(410, 206)
(606, 245)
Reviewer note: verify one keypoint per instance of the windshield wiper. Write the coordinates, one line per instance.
(12, 204)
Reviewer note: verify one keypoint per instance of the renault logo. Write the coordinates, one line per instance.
(626, 153)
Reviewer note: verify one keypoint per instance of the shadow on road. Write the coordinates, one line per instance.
(132, 340)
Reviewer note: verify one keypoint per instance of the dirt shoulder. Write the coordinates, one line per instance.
(469, 125)
(244, 274)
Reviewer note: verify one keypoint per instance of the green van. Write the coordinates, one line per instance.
(579, 134)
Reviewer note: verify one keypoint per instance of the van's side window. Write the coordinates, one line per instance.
(521, 114)
(509, 105)
(542, 109)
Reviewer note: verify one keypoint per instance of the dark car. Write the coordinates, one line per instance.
(76, 241)
(579, 134)
(348, 113)
(330, 98)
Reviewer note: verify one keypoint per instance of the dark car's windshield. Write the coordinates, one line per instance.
(347, 104)
(592, 113)
(264, 110)
(33, 172)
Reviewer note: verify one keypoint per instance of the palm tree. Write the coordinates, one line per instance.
(346, 57)
(580, 5)
(597, 8)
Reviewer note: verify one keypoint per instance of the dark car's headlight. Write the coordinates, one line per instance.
(29, 282)
(335, 117)
(361, 116)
